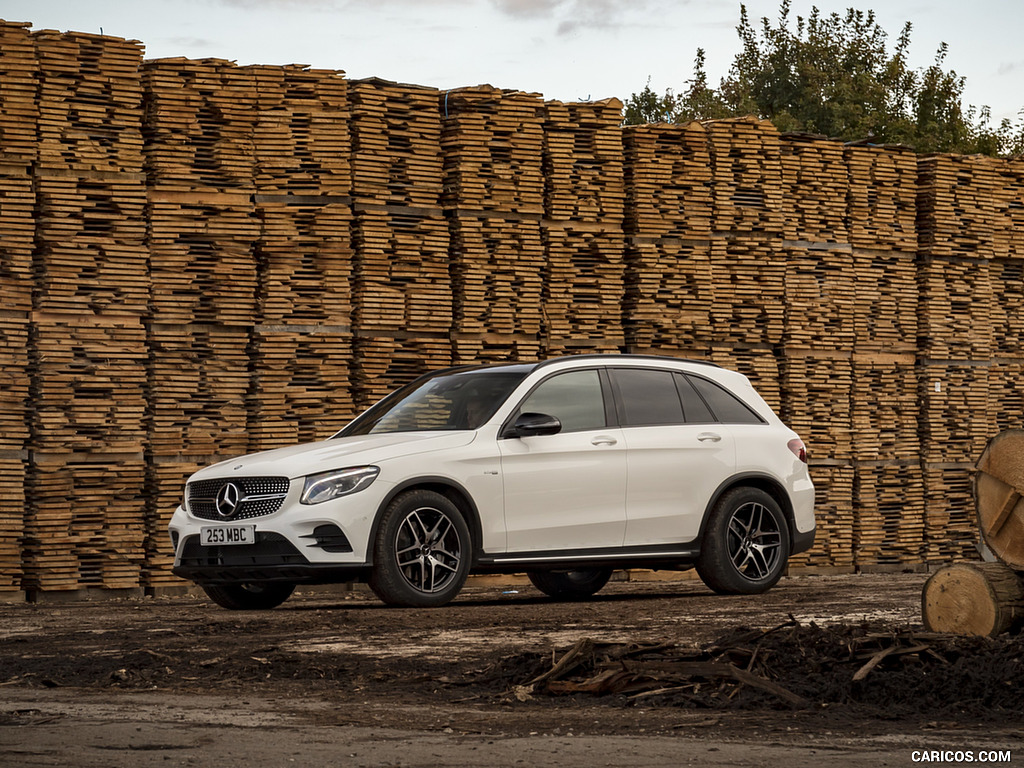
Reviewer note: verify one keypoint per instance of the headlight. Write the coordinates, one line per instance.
(325, 486)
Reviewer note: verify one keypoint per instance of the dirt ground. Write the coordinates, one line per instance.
(659, 673)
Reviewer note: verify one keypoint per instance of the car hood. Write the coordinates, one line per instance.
(299, 460)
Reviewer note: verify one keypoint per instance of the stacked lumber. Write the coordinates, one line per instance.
(884, 407)
(817, 386)
(820, 297)
(885, 301)
(497, 348)
(584, 200)
(90, 242)
(300, 385)
(165, 490)
(304, 262)
(816, 183)
(668, 181)
(90, 102)
(956, 205)
(396, 144)
(669, 293)
(401, 278)
(18, 148)
(199, 126)
(1008, 217)
(955, 221)
(890, 518)
(749, 288)
(881, 201)
(19, 112)
(96, 541)
(493, 143)
(12, 519)
(497, 276)
(956, 416)
(951, 530)
(301, 142)
(87, 343)
(956, 308)
(1006, 395)
(387, 362)
(834, 516)
(746, 164)
(198, 378)
(668, 282)
(1006, 306)
(301, 346)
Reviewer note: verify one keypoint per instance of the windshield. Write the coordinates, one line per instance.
(445, 401)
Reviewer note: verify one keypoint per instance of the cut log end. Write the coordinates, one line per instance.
(973, 599)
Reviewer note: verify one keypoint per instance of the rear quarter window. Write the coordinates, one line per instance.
(726, 407)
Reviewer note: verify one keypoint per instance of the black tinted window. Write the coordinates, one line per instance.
(694, 408)
(648, 397)
(725, 405)
(574, 398)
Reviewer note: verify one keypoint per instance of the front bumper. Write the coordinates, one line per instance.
(272, 558)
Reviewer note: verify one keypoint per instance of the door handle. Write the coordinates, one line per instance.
(604, 440)
(709, 437)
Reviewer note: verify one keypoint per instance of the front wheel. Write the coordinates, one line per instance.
(250, 597)
(422, 553)
(570, 585)
(746, 543)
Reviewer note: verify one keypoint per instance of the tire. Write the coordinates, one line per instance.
(250, 597)
(423, 551)
(746, 543)
(570, 585)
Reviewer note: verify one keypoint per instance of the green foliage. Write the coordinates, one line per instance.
(835, 75)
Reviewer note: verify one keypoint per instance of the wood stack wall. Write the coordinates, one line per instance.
(200, 260)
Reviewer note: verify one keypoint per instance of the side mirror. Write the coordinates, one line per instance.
(535, 424)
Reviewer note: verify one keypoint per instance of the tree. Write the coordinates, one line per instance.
(835, 75)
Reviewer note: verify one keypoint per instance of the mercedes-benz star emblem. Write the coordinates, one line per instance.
(228, 498)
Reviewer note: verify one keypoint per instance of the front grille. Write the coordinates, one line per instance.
(257, 496)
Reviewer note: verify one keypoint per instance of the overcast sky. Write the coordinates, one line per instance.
(569, 50)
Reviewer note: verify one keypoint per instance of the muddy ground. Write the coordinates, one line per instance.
(661, 673)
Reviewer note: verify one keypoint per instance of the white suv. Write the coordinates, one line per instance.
(564, 470)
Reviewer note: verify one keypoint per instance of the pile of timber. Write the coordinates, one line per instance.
(493, 143)
(86, 341)
(401, 278)
(18, 118)
(300, 139)
(301, 346)
(816, 180)
(584, 202)
(667, 222)
(203, 229)
(881, 199)
(987, 598)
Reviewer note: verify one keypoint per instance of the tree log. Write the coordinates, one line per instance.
(999, 497)
(973, 599)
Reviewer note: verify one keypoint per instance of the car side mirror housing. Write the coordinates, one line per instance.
(534, 425)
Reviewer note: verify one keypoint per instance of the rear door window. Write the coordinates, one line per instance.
(648, 397)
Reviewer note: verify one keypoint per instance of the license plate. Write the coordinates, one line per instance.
(226, 535)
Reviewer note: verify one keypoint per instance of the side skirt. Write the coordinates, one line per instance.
(661, 556)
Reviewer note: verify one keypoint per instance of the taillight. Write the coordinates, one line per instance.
(796, 445)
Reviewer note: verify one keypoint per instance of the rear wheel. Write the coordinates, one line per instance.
(746, 543)
(423, 551)
(249, 597)
(570, 585)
